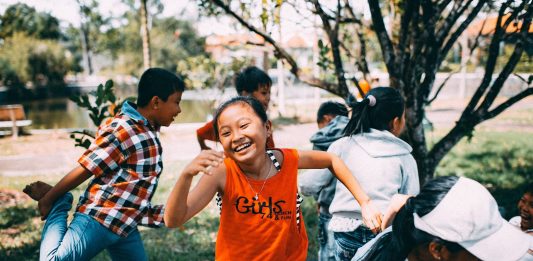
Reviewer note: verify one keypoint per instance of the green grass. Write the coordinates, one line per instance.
(20, 225)
(502, 161)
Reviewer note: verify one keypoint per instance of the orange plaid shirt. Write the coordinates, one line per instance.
(125, 159)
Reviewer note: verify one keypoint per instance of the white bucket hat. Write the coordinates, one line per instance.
(469, 216)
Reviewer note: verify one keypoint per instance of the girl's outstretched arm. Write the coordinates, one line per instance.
(320, 160)
(182, 204)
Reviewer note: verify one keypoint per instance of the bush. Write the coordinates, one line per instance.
(26, 60)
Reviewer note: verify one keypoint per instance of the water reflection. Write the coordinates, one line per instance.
(62, 113)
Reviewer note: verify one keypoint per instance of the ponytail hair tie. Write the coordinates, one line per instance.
(371, 100)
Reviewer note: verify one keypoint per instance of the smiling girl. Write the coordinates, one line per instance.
(260, 215)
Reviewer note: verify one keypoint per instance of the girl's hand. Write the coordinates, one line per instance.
(397, 202)
(371, 217)
(204, 162)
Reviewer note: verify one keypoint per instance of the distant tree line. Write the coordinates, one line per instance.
(37, 51)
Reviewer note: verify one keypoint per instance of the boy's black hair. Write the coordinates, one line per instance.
(250, 101)
(389, 104)
(397, 245)
(250, 78)
(331, 108)
(158, 82)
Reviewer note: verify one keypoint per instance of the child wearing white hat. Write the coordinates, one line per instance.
(451, 219)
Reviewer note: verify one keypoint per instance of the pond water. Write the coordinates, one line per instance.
(59, 113)
(196, 106)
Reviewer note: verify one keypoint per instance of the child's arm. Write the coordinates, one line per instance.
(154, 217)
(313, 181)
(396, 203)
(73, 179)
(182, 204)
(201, 141)
(204, 133)
(320, 159)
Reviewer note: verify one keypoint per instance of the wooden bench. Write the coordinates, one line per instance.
(13, 117)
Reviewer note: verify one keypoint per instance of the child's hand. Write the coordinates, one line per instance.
(371, 217)
(204, 162)
(397, 202)
(44, 207)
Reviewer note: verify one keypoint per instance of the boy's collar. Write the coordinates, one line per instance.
(130, 109)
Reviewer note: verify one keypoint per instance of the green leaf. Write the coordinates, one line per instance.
(109, 84)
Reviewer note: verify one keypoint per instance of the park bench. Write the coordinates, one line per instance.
(13, 117)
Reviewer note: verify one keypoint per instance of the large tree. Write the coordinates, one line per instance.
(23, 18)
(172, 40)
(91, 26)
(414, 43)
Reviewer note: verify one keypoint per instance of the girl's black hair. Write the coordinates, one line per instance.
(331, 108)
(389, 105)
(158, 82)
(250, 101)
(397, 245)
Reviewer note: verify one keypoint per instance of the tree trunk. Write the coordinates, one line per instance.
(85, 41)
(145, 33)
(86, 46)
(417, 139)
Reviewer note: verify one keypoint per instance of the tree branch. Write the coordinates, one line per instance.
(502, 107)
(279, 51)
(362, 64)
(410, 15)
(85, 132)
(474, 46)
(494, 50)
(432, 50)
(440, 88)
(469, 120)
(333, 35)
(455, 35)
(509, 67)
(523, 79)
(450, 20)
(385, 42)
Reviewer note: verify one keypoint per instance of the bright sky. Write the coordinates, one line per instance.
(68, 12)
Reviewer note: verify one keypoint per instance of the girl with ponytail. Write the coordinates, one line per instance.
(378, 159)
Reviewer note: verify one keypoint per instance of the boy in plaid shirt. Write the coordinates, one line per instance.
(125, 163)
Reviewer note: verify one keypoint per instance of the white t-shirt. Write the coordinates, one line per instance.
(515, 221)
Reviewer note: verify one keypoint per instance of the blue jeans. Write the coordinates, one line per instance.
(84, 238)
(326, 242)
(347, 243)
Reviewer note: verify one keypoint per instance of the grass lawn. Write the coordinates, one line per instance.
(501, 160)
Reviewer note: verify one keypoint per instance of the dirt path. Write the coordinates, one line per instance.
(53, 152)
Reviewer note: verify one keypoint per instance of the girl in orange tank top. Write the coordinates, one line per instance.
(260, 216)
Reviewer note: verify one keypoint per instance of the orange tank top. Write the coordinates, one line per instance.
(263, 229)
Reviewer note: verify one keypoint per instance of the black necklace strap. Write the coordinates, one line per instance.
(274, 160)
